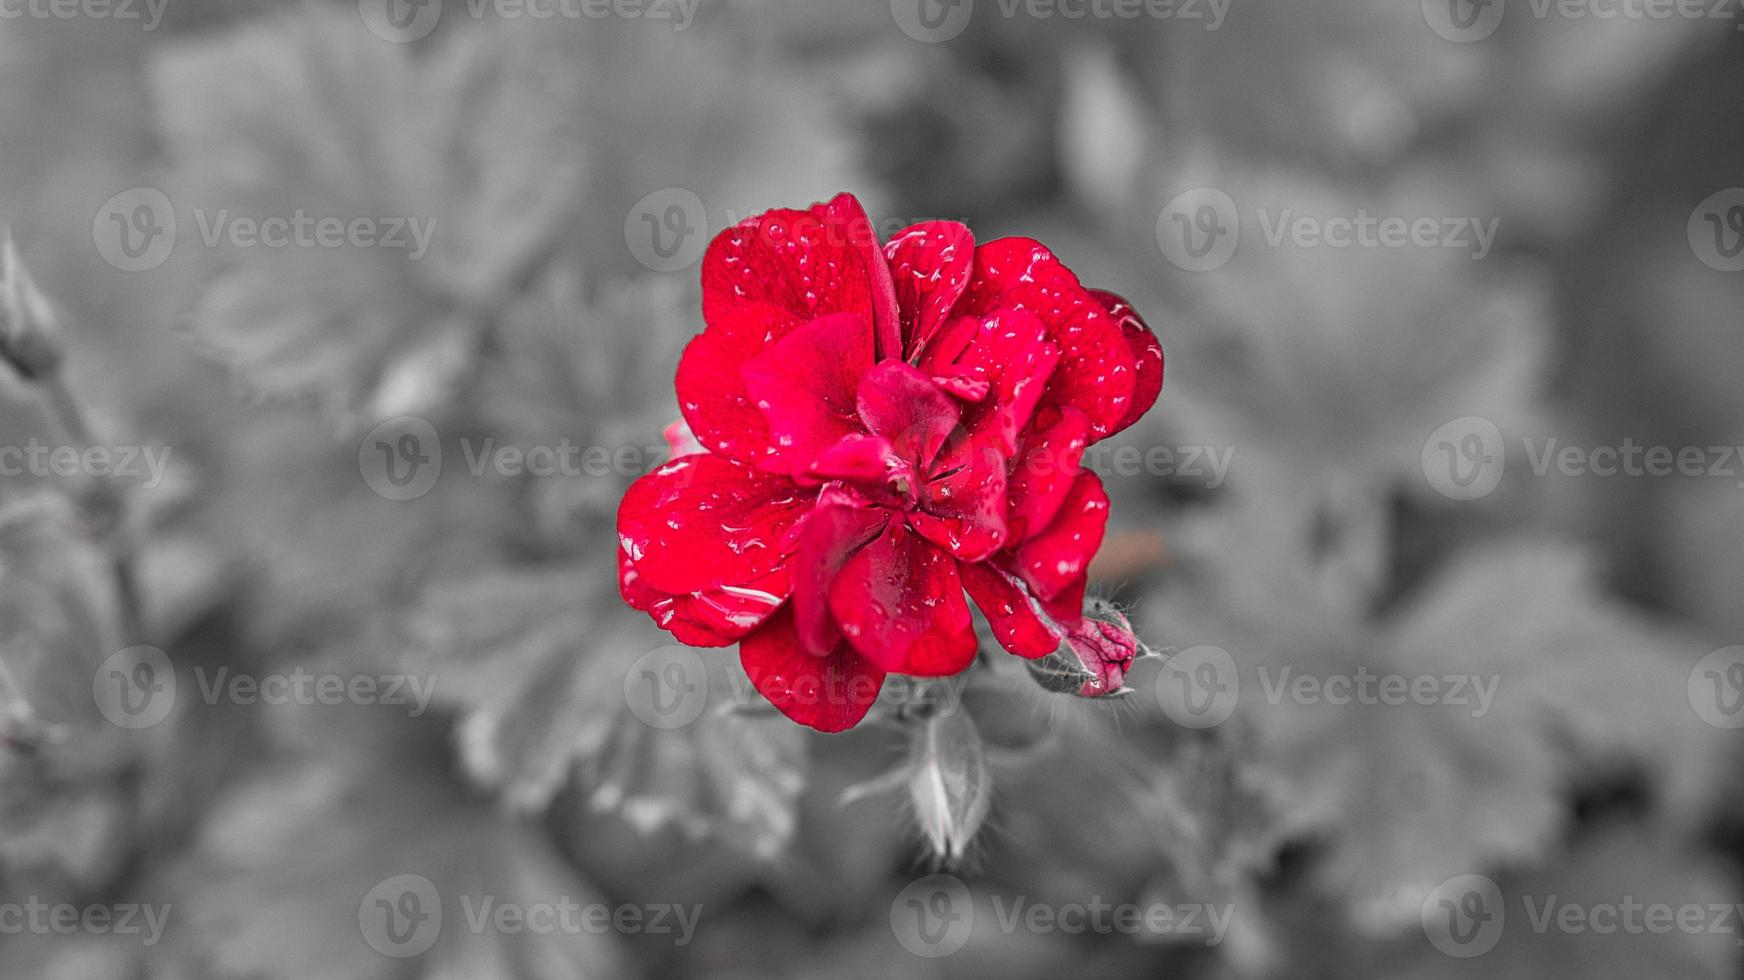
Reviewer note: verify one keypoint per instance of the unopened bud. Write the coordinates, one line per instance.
(29, 329)
(948, 783)
(1097, 652)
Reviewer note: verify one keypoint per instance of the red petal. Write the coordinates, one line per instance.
(930, 263)
(830, 693)
(711, 392)
(1045, 469)
(859, 458)
(1096, 372)
(903, 405)
(848, 213)
(714, 618)
(1011, 352)
(1147, 352)
(705, 523)
(834, 531)
(962, 506)
(805, 384)
(900, 603)
(1055, 560)
(1019, 623)
(825, 259)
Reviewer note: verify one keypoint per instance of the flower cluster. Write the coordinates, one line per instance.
(879, 429)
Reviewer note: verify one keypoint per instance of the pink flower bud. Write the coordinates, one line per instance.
(1107, 647)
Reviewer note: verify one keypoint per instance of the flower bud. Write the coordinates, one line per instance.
(1097, 652)
(948, 782)
(29, 329)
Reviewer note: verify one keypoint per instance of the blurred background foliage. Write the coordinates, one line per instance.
(531, 321)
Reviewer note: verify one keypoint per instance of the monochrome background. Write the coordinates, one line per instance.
(312, 663)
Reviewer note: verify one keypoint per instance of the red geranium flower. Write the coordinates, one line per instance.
(882, 427)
